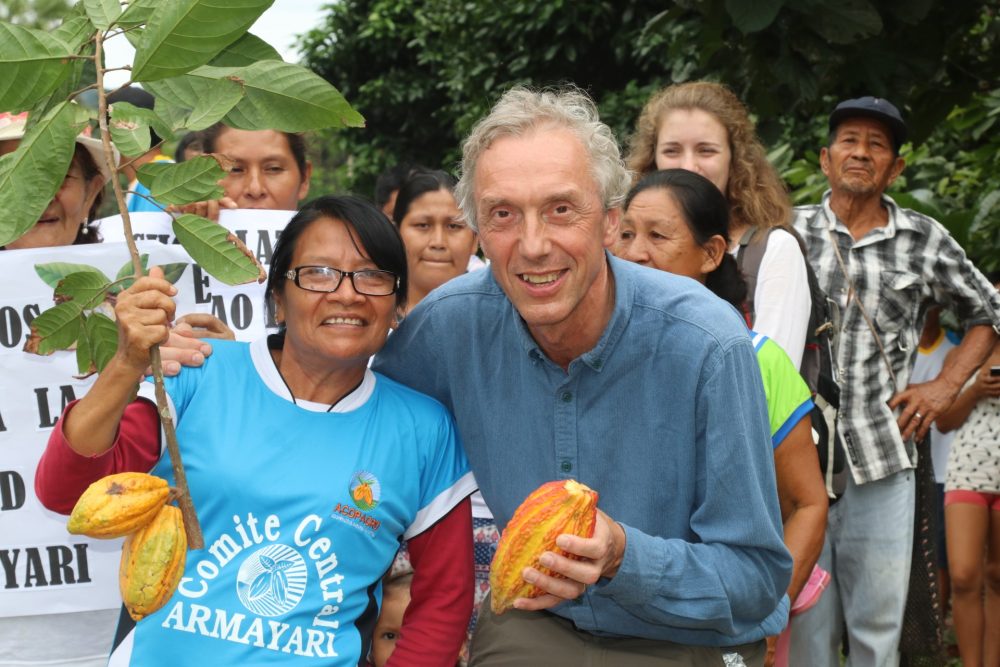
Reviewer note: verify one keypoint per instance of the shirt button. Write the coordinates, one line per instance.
(598, 363)
(566, 466)
(567, 397)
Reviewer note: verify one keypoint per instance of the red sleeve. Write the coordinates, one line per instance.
(63, 475)
(441, 593)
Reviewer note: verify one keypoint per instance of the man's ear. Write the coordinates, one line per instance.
(824, 160)
(612, 224)
(897, 169)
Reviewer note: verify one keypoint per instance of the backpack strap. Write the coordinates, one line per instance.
(749, 255)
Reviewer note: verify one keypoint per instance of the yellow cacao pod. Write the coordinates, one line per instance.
(152, 563)
(554, 508)
(117, 505)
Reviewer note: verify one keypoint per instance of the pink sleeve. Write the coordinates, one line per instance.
(63, 475)
(441, 593)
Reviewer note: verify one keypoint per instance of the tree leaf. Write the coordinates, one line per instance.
(847, 21)
(84, 358)
(137, 13)
(31, 175)
(206, 100)
(753, 15)
(55, 329)
(83, 287)
(52, 272)
(173, 271)
(247, 50)
(126, 274)
(181, 35)
(190, 181)
(74, 32)
(129, 129)
(220, 253)
(32, 65)
(102, 13)
(103, 337)
(287, 97)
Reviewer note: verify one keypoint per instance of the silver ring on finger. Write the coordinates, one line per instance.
(919, 416)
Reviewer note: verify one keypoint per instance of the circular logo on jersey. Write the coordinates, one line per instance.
(272, 580)
(365, 490)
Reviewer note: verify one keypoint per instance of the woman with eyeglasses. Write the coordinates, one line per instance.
(305, 467)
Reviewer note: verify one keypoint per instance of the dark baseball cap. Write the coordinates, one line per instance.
(872, 107)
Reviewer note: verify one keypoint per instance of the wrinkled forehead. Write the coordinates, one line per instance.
(863, 124)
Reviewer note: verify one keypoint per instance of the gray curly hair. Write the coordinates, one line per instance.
(521, 110)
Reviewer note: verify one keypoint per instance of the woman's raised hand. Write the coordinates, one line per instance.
(144, 312)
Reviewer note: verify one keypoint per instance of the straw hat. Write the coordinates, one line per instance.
(12, 127)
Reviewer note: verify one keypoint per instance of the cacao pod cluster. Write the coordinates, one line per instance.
(553, 509)
(134, 505)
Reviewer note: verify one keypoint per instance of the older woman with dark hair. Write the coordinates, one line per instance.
(69, 217)
(303, 464)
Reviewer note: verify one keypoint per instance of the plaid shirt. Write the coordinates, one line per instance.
(898, 271)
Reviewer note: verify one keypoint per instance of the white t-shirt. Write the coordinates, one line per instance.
(781, 299)
(926, 367)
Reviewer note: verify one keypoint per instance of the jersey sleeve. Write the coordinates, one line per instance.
(446, 479)
(788, 396)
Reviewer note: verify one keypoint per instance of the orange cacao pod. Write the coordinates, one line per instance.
(117, 505)
(152, 563)
(554, 508)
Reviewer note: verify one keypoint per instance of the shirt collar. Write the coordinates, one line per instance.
(268, 371)
(897, 221)
(595, 357)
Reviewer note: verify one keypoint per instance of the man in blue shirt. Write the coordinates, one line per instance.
(563, 362)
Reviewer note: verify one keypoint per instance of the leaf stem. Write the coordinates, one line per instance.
(184, 501)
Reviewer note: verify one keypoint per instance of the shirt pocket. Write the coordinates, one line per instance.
(898, 300)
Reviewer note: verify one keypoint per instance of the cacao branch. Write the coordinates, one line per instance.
(184, 501)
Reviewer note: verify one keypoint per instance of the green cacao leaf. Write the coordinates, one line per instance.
(103, 338)
(31, 175)
(84, 357)
(53, 272)
(181, 35)
(87, 288)
(137, 13)
(220, 253)
(201, 101)
(32, 64)
(126, 275)
(190, 181)
(74, 32)
(129, 129)
(173, 271)
(287, 97)
(847, 21)
(247, 50)
(55, 329)
(102, 13)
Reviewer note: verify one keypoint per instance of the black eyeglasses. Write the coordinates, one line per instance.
(373, 282)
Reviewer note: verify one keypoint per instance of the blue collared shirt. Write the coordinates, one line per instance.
(665, 417)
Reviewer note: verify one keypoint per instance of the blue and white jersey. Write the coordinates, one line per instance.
(302, 511)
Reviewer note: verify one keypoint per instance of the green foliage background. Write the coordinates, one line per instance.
(422, 72)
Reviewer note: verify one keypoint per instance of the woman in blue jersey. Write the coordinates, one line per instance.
(305, 467)
(678, 221)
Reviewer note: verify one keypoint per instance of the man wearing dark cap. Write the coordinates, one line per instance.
(884, 266)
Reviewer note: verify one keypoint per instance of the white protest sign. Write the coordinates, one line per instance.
(240, 307)
(44, 569)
